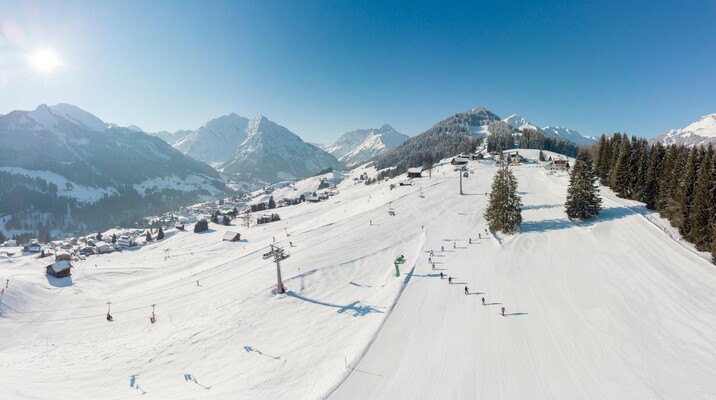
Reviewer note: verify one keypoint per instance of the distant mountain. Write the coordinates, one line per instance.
(568, 135)
(447, 138)
(560, 132)
(216, 141)
(520, 123)
(701, 132)
(63, 168)
(361, 145)
(272, 153)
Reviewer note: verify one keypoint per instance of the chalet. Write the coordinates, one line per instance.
(59, 269)
(179, 226)
(126, 241)
(416, 172)
(104, 247)
(63, 256)
(558, 165)
(406, 182)
(266, 218)
(231, 236)
(458, 161)
(33, 247)
(313, 199)
(10, 243)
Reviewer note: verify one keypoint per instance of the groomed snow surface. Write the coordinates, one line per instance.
(606, 309)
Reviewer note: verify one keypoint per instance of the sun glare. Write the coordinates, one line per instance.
(45, 61)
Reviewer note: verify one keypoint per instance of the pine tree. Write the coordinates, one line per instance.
(651, 184)
(603, 159)
(149, 237)
(504, 211)
(160, 234)
(620, 176)
(3, 238)
(699, 221)
(272, 203)
(215, 217)
(114, 238)
(541, 155)
(99, 236)
(684, 194)
(583, 199)
(226, 221)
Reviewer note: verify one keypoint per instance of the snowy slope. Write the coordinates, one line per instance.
(612, 308)
(359, 146)
(700, 132)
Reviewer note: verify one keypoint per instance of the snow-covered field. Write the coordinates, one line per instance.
(612, 308)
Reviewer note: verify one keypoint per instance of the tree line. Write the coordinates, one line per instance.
(676, 181)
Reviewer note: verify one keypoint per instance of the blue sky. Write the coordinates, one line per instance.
(321, 68)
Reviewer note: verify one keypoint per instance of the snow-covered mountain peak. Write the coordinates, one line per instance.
(520, 123)
(77, 115)
(361, 145)
(702, 131)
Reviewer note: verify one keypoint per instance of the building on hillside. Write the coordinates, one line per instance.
(416, 172)
(59, 269)
(63, 256)
(230, 236)
(459, 161)
(558, 165)
(266, 218)
(313, 199)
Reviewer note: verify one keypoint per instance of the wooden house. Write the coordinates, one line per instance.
(59, 269)
(416, 172)
(231, 236)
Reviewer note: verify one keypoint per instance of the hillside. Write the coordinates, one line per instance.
(587, 315)
(79, 173)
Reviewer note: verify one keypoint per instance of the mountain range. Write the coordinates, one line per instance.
(701, 132)
(61, 166)
(560, 132)
(256, 148)
(361, 145)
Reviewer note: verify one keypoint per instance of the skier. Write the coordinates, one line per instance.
(431, 253)
(503, 311)
(109, 318)
(433, 265)
(290, 244)
(442, 248)
(197, 283)
(479, 235)
(466, 291)
(454, 246)
(430, 260)
(450, 280)
(483, 301)
(371, 222)
(470, 240)
(441, 275)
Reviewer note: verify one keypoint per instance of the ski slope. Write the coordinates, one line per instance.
(612, 308)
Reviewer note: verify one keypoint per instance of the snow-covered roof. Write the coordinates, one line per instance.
(61, 266)
(415, 170)
(230, 235)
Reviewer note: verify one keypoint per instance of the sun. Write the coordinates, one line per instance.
(45, 61)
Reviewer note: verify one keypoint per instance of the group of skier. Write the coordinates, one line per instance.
(442, 276)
